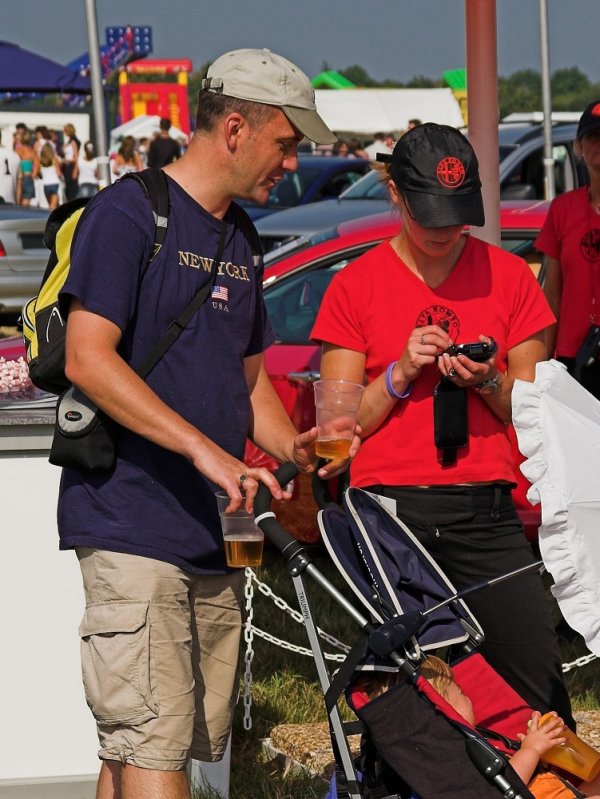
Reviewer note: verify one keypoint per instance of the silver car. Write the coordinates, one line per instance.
(23, 256)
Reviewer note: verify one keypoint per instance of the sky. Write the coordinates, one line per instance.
(395, 39)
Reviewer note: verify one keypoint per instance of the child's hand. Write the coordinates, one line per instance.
(541, 739)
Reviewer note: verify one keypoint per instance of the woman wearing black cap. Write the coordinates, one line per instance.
(570, 239)
(387, 320)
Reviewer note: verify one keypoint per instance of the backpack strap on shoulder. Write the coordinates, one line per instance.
(154, 185)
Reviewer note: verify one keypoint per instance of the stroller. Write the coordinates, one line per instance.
(414, 742)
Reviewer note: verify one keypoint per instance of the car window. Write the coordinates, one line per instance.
(368, 187)
(293, 304)
(338, 183)
(526, 180)
(287, 192)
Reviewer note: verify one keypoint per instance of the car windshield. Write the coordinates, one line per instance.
(292, 186)
(369, 187)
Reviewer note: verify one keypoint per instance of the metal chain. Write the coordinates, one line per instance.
(300, 650)
(249, 654)
(582, 661)
(296, 616)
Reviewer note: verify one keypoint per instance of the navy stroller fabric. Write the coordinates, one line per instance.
(390, 572)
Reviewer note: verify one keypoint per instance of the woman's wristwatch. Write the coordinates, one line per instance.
(489, 385)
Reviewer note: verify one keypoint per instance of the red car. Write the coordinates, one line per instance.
(294, 285)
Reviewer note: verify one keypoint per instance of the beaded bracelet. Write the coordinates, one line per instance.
(390, 386)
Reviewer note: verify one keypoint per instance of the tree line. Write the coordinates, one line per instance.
(571, 90)
(521, 92)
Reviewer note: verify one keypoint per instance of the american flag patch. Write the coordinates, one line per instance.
(220, 293)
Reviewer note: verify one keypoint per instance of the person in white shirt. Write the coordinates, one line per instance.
(88, 171)
(10, 175)
(379, 145)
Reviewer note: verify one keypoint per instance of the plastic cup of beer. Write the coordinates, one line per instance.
(243, 540)
(574, 756)
(336, 403)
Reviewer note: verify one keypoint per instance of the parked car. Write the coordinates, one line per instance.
(521, 178)
(23, 256)
(293, 288)
(317, 178)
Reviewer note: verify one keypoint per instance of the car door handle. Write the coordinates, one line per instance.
(303, 377)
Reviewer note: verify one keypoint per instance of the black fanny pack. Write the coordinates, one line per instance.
(84, 436)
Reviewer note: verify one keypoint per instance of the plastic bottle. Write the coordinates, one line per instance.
(574, 756)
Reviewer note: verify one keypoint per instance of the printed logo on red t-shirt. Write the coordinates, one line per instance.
(590, 245)
(450, 172)
(442, 317)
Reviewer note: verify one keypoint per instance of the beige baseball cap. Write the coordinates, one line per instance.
(265, 77)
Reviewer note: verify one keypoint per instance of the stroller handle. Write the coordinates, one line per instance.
(267, 521)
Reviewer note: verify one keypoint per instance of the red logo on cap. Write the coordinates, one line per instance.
(450, 172)
(596, 110)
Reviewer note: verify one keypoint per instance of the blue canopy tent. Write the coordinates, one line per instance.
(22, 71)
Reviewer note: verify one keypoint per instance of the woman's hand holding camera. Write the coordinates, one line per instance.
(424, 346)
(465, 372)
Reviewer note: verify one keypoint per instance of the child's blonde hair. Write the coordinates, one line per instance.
(438, 673)
(434, 670)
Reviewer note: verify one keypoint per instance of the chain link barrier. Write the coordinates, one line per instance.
(249, 653)
(582, 661)
(250, 631)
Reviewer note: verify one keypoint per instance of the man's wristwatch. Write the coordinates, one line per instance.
(489, 385)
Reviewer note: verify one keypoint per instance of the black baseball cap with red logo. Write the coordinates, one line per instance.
(589, 120)
(436, 170)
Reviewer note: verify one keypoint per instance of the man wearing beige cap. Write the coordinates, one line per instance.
(160, 633)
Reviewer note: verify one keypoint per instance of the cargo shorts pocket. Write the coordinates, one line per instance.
(116, 663)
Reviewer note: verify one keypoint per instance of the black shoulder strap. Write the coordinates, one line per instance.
(177, 326)
(154, 184)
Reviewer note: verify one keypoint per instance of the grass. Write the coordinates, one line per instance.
(286, 690)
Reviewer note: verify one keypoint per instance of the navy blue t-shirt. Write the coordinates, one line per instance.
(154, 502)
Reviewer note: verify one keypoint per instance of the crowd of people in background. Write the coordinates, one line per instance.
(45, 167)
(353, 147)
(48, 167)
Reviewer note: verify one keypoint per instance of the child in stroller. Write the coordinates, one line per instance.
(536, 741)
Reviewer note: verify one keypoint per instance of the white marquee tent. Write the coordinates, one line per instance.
(144, 125)
(367, 111)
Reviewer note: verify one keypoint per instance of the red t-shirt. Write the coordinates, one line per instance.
(373, 305)
(571, 234)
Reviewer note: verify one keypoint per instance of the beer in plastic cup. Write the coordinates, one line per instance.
(574, 756)
(242, 538)
(336, 403)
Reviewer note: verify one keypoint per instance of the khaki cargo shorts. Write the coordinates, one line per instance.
(160, 657)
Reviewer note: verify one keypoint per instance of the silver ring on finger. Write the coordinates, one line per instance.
(241, 480)
(423, 342)
(452, 372)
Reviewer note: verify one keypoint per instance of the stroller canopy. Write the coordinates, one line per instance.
(390, 572)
